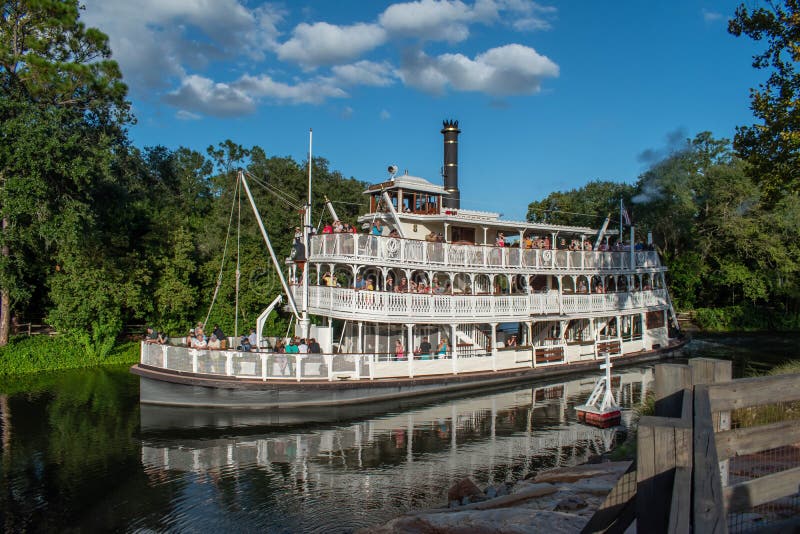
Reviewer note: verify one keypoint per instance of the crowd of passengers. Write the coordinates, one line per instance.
(405, 285)
(528, 242)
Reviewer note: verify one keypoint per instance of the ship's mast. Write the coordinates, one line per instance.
(304, 322)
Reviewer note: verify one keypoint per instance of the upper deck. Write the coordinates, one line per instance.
(413, 253)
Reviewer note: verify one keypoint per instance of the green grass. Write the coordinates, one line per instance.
(43, 353)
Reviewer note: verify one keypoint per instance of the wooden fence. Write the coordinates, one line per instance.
(683, 479)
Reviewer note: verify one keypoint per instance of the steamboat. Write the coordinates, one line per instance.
(431, 299)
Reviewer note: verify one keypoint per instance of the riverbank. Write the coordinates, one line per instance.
(24, 355)
(741, 318)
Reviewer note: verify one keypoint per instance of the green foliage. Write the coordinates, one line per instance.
(772, 147)
(41, 353)
(585, 206)
(745, 317)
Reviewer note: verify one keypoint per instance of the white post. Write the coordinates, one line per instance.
(410, 350)
(633, 262)
(297, 372)
(194, 361)
(329, 364)
(453, 348)
(263, 367)
(228, 364)
(494, 346)
(360, 342)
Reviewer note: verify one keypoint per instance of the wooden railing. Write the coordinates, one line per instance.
(684, 454)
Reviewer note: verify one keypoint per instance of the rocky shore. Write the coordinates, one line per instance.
(556, 501)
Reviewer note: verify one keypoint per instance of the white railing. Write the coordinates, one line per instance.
(350, 247)
(347, 303)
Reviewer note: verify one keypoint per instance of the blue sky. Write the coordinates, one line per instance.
(548, 95)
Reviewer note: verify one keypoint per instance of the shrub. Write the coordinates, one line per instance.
(43, 353)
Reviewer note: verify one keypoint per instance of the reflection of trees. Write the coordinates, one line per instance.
(73, 453)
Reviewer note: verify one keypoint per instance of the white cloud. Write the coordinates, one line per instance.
(385, 115)
(429, 19)
(184, 115)
(365, 73)
(347, 112)
(201, 95)
(449, 20)
(156, 42)
(312, 45)
(314, 91)
(506, 70)
(711, 16)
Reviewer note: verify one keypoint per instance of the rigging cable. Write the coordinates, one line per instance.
(224, 253)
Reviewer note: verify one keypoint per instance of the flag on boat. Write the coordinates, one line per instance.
(625, 215)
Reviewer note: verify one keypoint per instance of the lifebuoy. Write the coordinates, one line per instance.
(547, 255)
(392, 246)
(640, 258)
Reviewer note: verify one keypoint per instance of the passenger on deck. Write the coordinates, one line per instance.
(528, 242)
(327, 229)
(253, 338)
(163, 338)
(291, 348)
(546, 243)
(441, 350)
(399, 351)
(302, 347)
(377, 228)
(189, 337)
(431, 237)
(512, 341)
(403, 287)
(313, 346)
(424, 350)
(151, 336)
(199, 341)
(394, 233)
(360, 284)
(389, 286)
(214, 343)
(501, 240)
(244, 344)
(218, 332)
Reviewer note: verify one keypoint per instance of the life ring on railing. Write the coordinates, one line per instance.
(392, 247)
(547, 255)
(640, 258)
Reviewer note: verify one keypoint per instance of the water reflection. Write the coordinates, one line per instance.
(363, 472)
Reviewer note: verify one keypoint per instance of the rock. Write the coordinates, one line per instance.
(502, 490)
(463, 488)
(570, 504)
(455, 503)
(491, 492)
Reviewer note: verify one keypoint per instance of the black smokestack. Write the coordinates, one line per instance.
(450, 170)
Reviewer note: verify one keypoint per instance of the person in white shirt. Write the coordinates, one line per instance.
(302, 347)
(252, 338)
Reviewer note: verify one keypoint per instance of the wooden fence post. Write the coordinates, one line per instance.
(712, 371)
(670, 381)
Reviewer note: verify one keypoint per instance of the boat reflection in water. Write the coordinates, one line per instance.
(367, 470)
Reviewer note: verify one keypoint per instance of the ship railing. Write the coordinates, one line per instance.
(381, 304)
(350, 247)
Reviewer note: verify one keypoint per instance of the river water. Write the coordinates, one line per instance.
(79, 453)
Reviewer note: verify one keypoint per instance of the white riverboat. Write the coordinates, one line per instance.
(426, 302)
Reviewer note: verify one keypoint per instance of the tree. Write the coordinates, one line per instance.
(773, 147)
(586, 206)
(62, 117)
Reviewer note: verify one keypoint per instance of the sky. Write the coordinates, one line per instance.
(548, 95)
